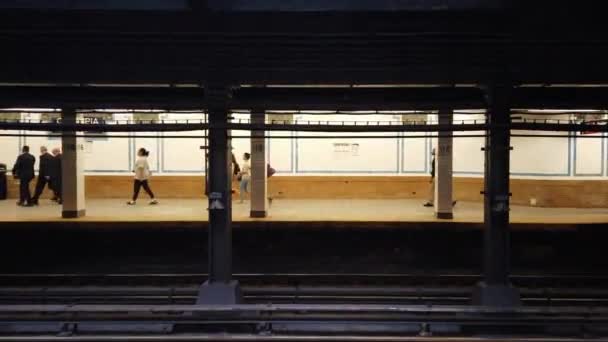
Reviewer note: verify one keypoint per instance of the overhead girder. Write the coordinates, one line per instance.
(174, 98)
(333, 99)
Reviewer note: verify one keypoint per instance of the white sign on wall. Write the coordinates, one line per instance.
(345, 150)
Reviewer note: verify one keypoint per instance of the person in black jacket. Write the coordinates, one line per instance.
(55, 173)
(44, 173)
(431, 197)
(24, 171)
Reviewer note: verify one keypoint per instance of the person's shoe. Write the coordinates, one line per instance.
(29, 205)
(34, 202)
(428, 204)
(131, 203)
(153, 202)
(20, 203)
(454, 203)
(55, 199)
(59, 201)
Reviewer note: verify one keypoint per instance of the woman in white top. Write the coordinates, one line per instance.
(245, 176)
(142, 174)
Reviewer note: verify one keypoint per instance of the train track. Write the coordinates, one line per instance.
(297, 307)
(402, 289)
(366, 279)
(283, 338)
(262, 321)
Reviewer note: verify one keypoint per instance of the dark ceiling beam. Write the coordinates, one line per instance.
(351, 99)
(344, 99)
(244, 98)
(561, 98)
(103, 97)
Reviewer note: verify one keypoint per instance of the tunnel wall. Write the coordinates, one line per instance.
(529, 192)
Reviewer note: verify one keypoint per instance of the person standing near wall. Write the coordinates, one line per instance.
(270, 171)
(44, 173)
(431, 194)
(244, 177)
(236, 170)
(55, 174)
(142, 175)
(24, 171)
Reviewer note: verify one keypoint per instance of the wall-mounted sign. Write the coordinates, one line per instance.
(85, 118)
(10, 116)
(344, 150)
(280, 119)
(418, 119)
(146, 117)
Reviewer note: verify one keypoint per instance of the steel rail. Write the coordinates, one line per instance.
(298, 279)
(212, 315)
(305, 126)
(292, 294)
(193, 337)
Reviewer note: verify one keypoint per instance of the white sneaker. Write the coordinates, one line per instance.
(131, 203)
(152, 202)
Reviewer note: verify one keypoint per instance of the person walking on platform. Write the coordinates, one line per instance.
(431, 196)
(236, 169)
(270, 171)
(55, 173)
(244, 177)
(142, 175)
(24, 171)
(44, 174)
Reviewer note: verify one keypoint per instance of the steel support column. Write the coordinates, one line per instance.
(259, 183)
(72, 169)
(443, 168)
(496, 290)
(220, 288)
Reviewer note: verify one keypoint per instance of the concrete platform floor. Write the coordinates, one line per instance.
(287, 210)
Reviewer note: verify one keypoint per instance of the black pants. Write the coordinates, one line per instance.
(24, 191)
(41, 182)
(55, 185)
(138, 184)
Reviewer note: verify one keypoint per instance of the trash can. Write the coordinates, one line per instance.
(3, 182)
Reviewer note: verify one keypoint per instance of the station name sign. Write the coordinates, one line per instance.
(85, 121)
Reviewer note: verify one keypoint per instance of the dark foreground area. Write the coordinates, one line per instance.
(297, 249)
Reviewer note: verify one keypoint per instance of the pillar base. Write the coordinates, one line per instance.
(219, 293)
(496, 295)
(258, 214)
(444, 216)
(73, 213)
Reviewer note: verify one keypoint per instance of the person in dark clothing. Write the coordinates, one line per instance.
(236, 169)
(270, 171)
(24, 171)
(55, 174)
(44, 174)
(431, 197)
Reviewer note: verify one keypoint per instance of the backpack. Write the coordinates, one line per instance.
(270, 171)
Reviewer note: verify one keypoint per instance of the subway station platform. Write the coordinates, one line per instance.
(326, 213)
